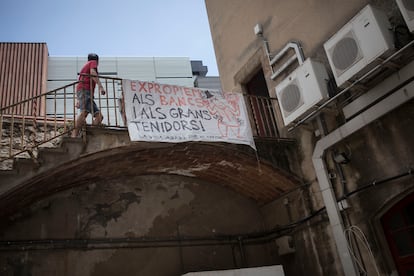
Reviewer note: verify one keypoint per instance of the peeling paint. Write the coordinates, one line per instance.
(178, 195)
(186, 172)
(129, 207)
(105, 212)
(225, 163)
(129, 217)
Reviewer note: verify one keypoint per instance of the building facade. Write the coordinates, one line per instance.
(23, 74)
(340, 76)
(103, 205)
(328, 192)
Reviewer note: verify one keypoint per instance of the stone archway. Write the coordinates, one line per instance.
(134, 225)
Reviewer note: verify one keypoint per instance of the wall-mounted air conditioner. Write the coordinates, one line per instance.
(305, 87)
(407, 11)
(355, 48)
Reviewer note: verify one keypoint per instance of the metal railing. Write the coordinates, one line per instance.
(263, 114)
(44, 119)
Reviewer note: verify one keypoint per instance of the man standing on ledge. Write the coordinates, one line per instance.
(88, 78)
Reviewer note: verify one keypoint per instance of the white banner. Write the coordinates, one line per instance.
(171, 113)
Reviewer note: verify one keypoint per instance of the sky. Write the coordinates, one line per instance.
(139, 28)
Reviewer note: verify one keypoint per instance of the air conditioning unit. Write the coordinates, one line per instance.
(407, 11)
(305, 87)
(356, 47)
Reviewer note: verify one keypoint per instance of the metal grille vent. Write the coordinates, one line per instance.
(290, 98)
(345, 53)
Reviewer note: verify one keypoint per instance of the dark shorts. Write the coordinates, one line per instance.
(86, 103)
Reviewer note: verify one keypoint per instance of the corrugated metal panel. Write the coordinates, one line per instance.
(55, 102)
(62, 68)
(209, 82)
(62, 71)
(177, 81)
(80, 62)
(108, 67)
(170, 70)
(55, 105)
(172, 67)
(23, 75)
(136, 68)
(52, 85)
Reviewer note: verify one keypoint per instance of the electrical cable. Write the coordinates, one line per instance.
(359, 235)
(378, 182)
(219, 239)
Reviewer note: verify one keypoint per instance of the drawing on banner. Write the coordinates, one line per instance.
(226, 110)
(171, 113)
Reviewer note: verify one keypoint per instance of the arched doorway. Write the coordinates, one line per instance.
(398, 225)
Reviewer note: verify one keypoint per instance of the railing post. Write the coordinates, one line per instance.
(1, 124)
(262, 111)
(64, 109)
(107, 101)
(11, 136)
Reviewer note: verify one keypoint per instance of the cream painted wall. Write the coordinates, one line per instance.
(311, 22)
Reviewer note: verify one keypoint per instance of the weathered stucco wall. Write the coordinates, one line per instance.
(155, 207)
(379, 151)
(232, 23)
(32, 136)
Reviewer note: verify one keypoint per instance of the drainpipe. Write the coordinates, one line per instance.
(391, 102)
(242, 254)
(293, 44)
(299, 56)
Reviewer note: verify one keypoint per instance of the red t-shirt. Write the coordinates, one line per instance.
(85, 80)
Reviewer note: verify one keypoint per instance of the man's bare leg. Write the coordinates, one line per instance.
(97, 119)
(80, 121)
